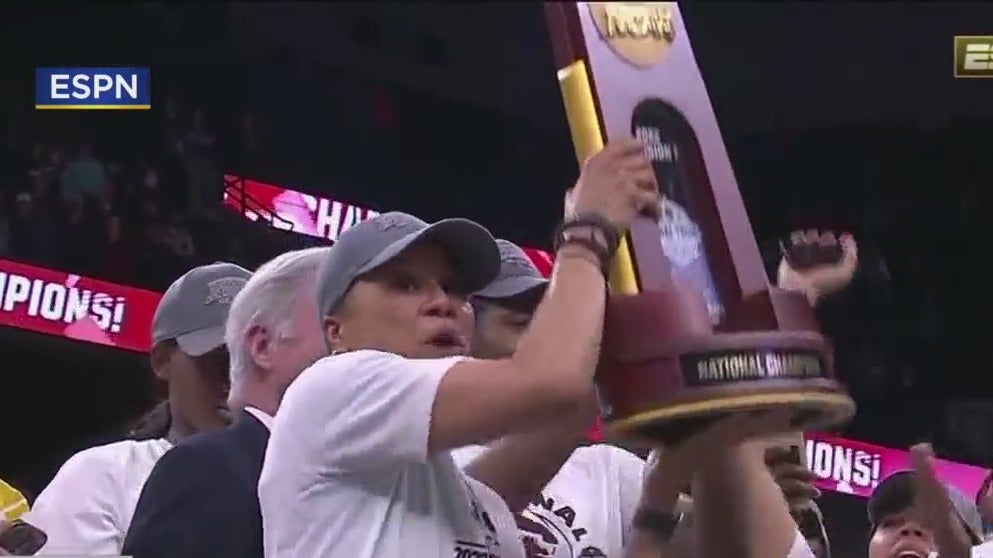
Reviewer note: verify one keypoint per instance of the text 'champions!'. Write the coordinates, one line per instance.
(93, 89)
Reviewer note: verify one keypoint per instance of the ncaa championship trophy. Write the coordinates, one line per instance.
(693, 331)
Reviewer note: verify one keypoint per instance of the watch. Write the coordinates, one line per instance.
(662, 525)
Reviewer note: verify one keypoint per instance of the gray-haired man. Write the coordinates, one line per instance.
(200, 500)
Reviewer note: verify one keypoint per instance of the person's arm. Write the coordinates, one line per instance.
(360, 409)
(443, 404)
(552, 370)
(517, 467)
(659, 492)
(739, 510)
(364, 408)
(185, 509)
(935, 507)
(78, 510)
(821, 280)
(551, 373)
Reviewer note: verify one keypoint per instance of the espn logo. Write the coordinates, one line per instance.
(974, 56)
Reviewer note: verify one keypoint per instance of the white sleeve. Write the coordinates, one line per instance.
(78, 510)
(984, 550)
(465, 455)
(628, 472)
(800, 548)
(361, 409)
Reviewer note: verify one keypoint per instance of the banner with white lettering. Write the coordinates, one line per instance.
(854, 467)
(58, 303)
(311, 215)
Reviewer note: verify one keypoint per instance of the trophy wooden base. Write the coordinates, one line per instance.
(664, 374)
(672, 424)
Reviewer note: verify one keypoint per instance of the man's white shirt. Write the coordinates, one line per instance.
(586, 509)
(87, 508)
(261, 416)
(347, 472)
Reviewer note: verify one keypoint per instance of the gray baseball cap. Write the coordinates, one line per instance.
(895, 494)
(195, 307)
(376, 241)
(518, 274)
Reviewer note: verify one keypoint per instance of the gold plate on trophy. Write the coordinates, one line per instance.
(640, 32)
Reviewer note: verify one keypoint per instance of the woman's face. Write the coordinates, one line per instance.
(900, 535)
(410, 306)
(198, 388)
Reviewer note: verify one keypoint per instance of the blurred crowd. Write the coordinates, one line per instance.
(129, 209)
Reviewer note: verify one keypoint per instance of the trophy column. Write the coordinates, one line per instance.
(693, 331)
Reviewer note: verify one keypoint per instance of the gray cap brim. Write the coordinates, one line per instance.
(512, 286)
(473, 251)
(201, 341)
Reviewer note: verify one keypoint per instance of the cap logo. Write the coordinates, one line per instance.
(392, 221)
(513, 259)
(519, 264)
(222, 291)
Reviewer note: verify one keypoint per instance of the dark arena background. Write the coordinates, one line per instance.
(836, 116)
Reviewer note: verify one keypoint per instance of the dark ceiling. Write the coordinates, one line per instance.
(767, 65)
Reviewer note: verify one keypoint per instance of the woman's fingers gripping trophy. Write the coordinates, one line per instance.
(617, 183)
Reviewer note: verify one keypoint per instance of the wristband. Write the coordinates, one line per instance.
(661, 525)
(601, 237)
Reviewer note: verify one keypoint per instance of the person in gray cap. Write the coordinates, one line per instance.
(87, 508)
(602, 485)
(201, 499)
(188, 351)
(914, 515)
(504, 308)
(359, 461)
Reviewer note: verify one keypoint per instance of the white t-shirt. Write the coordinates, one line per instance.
(87, 508)
(800, 548)
(347, 472)
(586, 509)
(984, 550)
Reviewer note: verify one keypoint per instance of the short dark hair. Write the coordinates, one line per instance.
(155, 424)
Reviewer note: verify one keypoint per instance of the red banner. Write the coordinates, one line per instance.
(311, 215)
(856, 468)
(58, 303)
